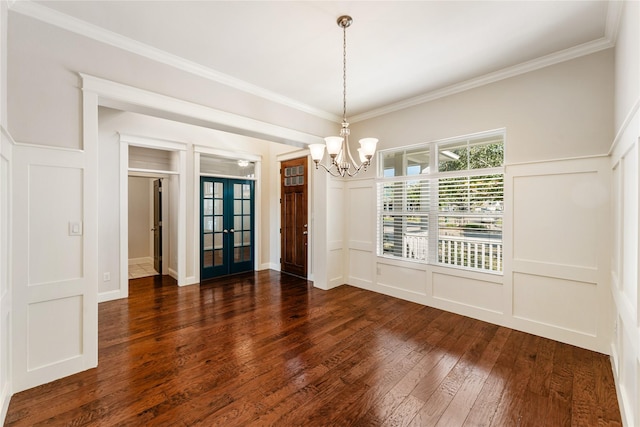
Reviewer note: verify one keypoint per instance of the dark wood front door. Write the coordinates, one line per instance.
(294, 226)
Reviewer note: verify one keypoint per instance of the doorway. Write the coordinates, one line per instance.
(147, 240)
(227, 226)
(294, 230)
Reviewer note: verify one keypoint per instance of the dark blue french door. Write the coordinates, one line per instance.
(226, 226)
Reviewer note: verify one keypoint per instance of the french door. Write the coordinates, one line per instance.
(226, 226)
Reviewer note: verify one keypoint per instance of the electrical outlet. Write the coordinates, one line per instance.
(106, 277)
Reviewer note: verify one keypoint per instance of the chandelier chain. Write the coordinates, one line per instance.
(344, 73)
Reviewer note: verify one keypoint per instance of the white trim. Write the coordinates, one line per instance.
(154, 143)
(159, 144)
(110, 295)
(129, 98)
(151, 173)
(294, 155)
(61, 20)
(624, 125)
(236, 155)
(516, 70)
(83, 28)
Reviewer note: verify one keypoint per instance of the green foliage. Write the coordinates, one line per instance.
(474, 157)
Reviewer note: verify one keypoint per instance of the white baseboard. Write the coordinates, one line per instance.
(110, 295)
(142, 260)
(5, 399)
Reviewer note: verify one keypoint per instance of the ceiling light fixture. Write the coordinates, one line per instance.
(342, 162)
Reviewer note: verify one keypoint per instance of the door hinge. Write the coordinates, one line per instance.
(160, 189)
(280, 260)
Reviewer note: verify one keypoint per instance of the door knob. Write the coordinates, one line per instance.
(232, 230)
(225, 231)
(305, 232)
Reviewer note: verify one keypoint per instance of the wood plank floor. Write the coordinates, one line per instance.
(269, 349)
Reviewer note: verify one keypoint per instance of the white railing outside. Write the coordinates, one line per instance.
(415, 246)
(467, 252)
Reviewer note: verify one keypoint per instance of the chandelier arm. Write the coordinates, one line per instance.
(330, 170)
(348, 149)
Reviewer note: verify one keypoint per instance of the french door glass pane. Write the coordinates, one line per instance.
(208, 224)
(217, 257)
(207, 207)
(218, 190)
(208, 190)
(208, 241)
(208, 259)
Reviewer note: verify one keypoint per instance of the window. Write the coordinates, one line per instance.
(442, 203)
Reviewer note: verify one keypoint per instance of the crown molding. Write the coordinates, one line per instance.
(83, 28)
(66, 22)
(505, 73)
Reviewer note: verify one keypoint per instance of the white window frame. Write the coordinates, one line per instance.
(434, 178)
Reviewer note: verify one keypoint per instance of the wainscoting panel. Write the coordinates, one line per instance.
(484, 295)
(555, 218)
(6, 258)
(361, 199)
(360, 271)
(54, 264)
(55, 249)
(560, 303)
(629, 219)
(53, 339)
(406, 278)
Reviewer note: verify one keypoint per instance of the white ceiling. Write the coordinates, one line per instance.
(397, 50)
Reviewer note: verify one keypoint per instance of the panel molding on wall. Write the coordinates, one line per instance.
(6, 258)
(361, 240)
(555, 281)
(54, 266)
(625, 261)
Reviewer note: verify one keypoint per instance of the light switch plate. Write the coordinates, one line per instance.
(75, 228)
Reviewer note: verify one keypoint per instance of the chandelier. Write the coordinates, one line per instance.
(342, 162)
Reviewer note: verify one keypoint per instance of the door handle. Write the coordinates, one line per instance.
(305, 232)
(225, 231)
(232, 230)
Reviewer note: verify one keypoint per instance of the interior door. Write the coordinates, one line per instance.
(227, 226)
(293, 217)
(157, 225)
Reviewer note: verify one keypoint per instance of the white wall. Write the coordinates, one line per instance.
(624, 253)
(53, 57)
(139, 218)
(6, 258)
(113, 122)
(559, 124)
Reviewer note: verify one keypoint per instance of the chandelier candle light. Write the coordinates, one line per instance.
(342, 162)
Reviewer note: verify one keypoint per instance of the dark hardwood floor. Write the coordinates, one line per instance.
(268, 349)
